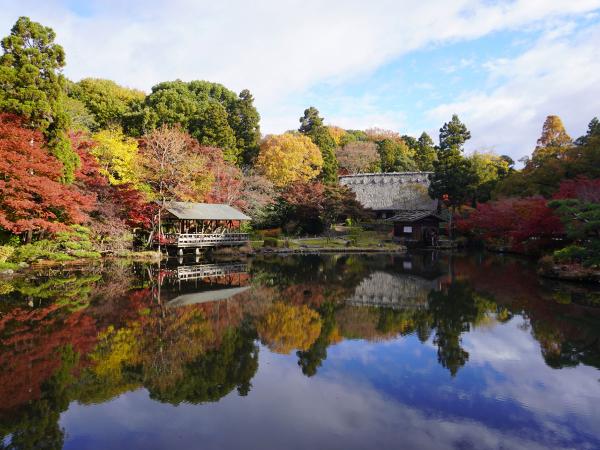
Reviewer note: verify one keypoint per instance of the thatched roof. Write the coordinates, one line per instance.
(394, 191)
(204, 211)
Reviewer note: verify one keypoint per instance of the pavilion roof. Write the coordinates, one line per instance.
(414, 215)
(205, 211)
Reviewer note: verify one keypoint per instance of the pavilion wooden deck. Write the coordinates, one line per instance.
(200, 240)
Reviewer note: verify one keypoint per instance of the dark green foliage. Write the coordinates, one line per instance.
(32, 86)
(454, 134)
(311, 124)
(582, 223)
(311, 359)
(210, 112)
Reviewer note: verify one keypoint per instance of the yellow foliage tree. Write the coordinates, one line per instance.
(288, 327)
(337, 133)
(289, 157)
(117, 155)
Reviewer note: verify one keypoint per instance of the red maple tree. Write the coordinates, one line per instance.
(32, 199)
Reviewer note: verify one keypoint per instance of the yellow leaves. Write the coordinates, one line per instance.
(116, 348)
(337, 134)
(289, 157)
(288, 327)
(117, 155)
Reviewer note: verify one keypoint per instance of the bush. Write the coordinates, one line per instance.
(5, 252)
(85, 254)
(272, 233)
(270, 242)
(571, 253)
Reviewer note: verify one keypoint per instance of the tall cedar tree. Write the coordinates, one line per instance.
(552, 144)
(452, 174)
(32, 199)
(311, 124)
(33, 87)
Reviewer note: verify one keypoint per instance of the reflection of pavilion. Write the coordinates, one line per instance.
(396, 291)
(204, 283)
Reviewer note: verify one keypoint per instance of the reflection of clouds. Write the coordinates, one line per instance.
(283, 410)
(525, 378)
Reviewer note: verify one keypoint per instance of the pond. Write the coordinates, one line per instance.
(423, 351)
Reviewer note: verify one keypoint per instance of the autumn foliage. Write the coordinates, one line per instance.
(511, 222)
(32, 198)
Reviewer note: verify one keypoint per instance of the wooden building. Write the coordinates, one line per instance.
(400, 198)
(417, 227)
(199, 225)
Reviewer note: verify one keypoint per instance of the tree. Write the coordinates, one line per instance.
(513, 223)
(311, 124)
(246, 127)
(593, 131)
(488, 170)
(310, 120)
(379, 134)
(337, 134)
(170, 166)
(33, 87)
(553, 142)
(106, 101)
(117, 155)
(395, 156)
(32, 199)
(452, 173)
(211, 129)
(210, 112)
(288, 157)
(358, 157)
(425, 153)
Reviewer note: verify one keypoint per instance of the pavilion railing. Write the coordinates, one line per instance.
(204, 239)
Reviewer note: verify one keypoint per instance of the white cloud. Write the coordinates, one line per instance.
(277, 49)
(559, 74)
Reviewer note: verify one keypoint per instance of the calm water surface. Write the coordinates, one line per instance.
(427, 351)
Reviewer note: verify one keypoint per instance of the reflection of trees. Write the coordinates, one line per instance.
(36, 425)
(287, 327)
(217, 372)
(312, 358)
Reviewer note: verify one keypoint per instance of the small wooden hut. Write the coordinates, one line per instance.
(198, 225)
(417, 227)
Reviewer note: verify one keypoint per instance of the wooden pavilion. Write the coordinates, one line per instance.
(200, 225)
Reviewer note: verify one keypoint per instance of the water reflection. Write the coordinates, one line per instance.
(193, 333)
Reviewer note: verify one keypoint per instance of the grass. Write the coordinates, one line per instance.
(364, 239)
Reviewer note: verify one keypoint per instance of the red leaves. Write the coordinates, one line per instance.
(512, 220)
(31, 196)
(581, 188)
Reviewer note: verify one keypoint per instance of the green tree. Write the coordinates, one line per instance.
(210, 128)
(311, 124)
(33, 86)
(246, 126)
(452, 173)
(108, 102)
(425, 153)
(210, 112)
(592, 131)
(395, 156)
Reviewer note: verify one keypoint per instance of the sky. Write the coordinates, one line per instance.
(404, 65)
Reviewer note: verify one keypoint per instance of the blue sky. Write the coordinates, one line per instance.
(408, 65)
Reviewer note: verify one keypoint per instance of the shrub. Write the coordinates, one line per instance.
(571, 253)
(270, 242)
(5, 252)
